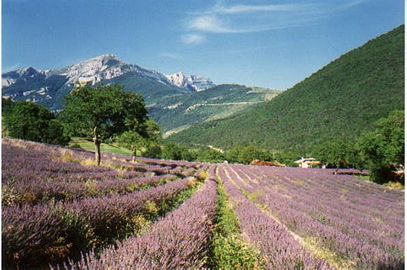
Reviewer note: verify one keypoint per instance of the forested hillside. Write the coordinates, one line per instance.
(342, 100)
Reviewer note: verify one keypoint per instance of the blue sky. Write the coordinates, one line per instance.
(272, 44)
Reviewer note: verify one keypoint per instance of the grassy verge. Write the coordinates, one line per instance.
(81, 143)
(229, 251)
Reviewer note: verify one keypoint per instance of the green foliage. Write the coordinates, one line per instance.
(342, 100)
(335, 153)
(54, 134)
(229, 251)
(147, 142)
(176, 152)
(152, 131)
(131, 140)
(383, 148)
(210, 155)
(152, 151)
(6, 105)
(108, 108)
(29, 121)
(245, 155)
(104, 112)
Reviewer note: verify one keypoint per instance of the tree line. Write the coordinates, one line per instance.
(109, 114)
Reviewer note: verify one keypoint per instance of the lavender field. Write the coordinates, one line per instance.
(62, 212)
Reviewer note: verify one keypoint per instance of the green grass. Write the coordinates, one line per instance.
(229, 251)
(104, 148)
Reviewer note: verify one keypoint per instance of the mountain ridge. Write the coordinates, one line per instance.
(162, 96)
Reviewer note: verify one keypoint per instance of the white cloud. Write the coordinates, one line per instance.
(209, 24)
(213, 24)
(192, 39)
(237, 9)
(243, 18)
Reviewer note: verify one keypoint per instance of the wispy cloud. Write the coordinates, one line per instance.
(193, 39)
(244, 18)
(214, 24)
(206, 23)
(239, 9)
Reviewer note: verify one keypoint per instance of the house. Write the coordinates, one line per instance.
(308, 163)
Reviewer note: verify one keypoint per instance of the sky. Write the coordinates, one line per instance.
(273, 44)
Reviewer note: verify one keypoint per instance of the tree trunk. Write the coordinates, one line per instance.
(134, 153)
(97, 142)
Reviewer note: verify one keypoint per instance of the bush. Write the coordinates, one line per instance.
(210, 155)
(152, 151)
(176, 152)
(245, 155)
(29, 121)
(383, 148)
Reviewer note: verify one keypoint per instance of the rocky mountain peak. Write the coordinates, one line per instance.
(191, 82)
(103, 67)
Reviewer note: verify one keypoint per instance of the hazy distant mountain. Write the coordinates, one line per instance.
(176, 101)
(341, 100)
(192, 82)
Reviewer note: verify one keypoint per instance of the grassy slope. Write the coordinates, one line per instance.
(217, 102)
(342, 99)
(104, 148)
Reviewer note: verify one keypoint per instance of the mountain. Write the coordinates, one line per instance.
(50, 87)
(192, 82)
(341, 100)
(176, 102)
(181, 112)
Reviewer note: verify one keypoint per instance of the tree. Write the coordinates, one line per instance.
(247, 154)
(152, 151)
(210, 155)
(171, 151)
(103, 112)
(153, 132)
(383, 148)
(131, 140)
(336, 153)
(29, 121)
(6, 105)
(149, 138)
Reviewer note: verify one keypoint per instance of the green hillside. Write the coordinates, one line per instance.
(182, 111)
(342, 100)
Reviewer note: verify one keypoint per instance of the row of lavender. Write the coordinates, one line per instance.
(360, 224)
(48, 232)
(278, 247)
(59, 225)
(180, 240)
(36, 173)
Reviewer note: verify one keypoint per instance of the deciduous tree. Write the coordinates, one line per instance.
(103, 112)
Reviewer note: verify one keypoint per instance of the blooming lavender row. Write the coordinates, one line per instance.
(36, 191)
(40, 164)
(17, 160)
(178, 241)
(365, 227)
(361, 204)
(377, 201)
(278, 247)
(43, 233)
(45, 177)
